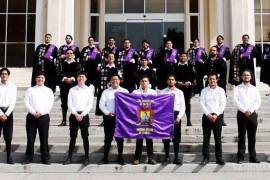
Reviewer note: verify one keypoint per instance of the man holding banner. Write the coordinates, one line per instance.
(107, 106)
(179, 110)
(144, 89)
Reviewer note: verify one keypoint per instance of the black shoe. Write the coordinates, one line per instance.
(177, 161)
(27, 161)
(189, 123)
(103, 161)
(166, 161)
(46, 161)
(10, 160)
(86, 161)
(151, 161)
(205, 161)
(220, 162)
(224, 124)
(63, 123)
(254, 160)
(239, 160)
(121, 161)
(67, 161)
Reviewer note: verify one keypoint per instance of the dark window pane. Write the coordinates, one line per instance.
(134, 6)
(175, 31)
(94, 6)
(2, 27)
(95, 27)
(114, 6)
(154, 6)
(193, 6)
(175, 6)
(135, 32)
(30, 55)
(15, 55)
(16, 28)
(31, 28)
(2, 55)
(153, 33)
(31, 6)
(17, 6)
(194, 26)
(3, 6)
(116, 29)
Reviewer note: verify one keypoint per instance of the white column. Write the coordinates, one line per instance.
(220, 16)
(201, 22)
(41, 18)
(187, 25)
(67, 19)
(83, 23)
(102, 23)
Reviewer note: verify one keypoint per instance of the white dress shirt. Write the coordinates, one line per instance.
(148, 91)
(247, 98)
(179, 100)
(213, 100)
(39, 99)
(80, 99)
(107, 100)
(8, 94)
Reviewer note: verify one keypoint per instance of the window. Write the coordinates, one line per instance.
(17, 32)
(134, 6)
(154, 6)
(114, 6)
(175, 6)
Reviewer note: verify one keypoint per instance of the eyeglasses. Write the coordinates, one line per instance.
(4, 73)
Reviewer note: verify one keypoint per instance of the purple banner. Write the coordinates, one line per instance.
(49, 52)
(172, 57)
(246, 52)
(199, 54)
(144, 116)
(148, 55)
(128, 55)
(92, 54)
(114, 50)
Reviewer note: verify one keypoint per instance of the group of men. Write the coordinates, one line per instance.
(80, 75)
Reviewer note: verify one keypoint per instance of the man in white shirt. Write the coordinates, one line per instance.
(213, 103)
(107, 106)
(144, 89)
(80, 102)
(39, 102)
(179, 110)
(8, 93)
(248, 100)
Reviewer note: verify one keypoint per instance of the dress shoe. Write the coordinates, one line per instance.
(224, 124)
(46, 161)
(86, 161)
(63, 123)
(103, 161)
(27, 161)
(189, 123)
(220, 162)
(177, 161)
(205, 161)
(67, 161)
(10, 160)
(151, 161)
(121, 161)
(254, 160)
(239, 160)
(166, 161)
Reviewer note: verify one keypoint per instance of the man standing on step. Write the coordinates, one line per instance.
(80, 102)
(69, 45)
(46, 61)
(68, 72)
(107, 106)
(144, 89)
(39, 102)
(8, 94)
(247, 99)
(213, 103)
(179, 110)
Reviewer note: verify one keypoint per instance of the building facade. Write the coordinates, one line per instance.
(23, 23)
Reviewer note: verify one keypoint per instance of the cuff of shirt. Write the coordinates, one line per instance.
(64, 78)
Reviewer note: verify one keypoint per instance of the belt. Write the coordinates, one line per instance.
(4, 109)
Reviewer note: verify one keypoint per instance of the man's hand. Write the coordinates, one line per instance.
(177, 121)
(111, 114)
(247, 113)
(37, 115)
(78, 117)
(212, 118)
(68, 81)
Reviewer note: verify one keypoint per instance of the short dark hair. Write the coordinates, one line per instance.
(126, 39)
(212, 74)
(144, 76)
(196, 39)
(145, 41)
(48, 34)
(245, 35)
(220, 36)
(68, 35)
(182, 53)
(69, 49)
(90, 38)
(172, 75)
(5, 69)
(112, 37)
(111, 53)
(81, 73)
(115, 74)
(39, 73)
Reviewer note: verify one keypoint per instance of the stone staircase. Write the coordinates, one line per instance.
(190, 147)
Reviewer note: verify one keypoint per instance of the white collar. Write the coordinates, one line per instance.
(182, 64)
(141, 68)
(70, 61)
(110, 66)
